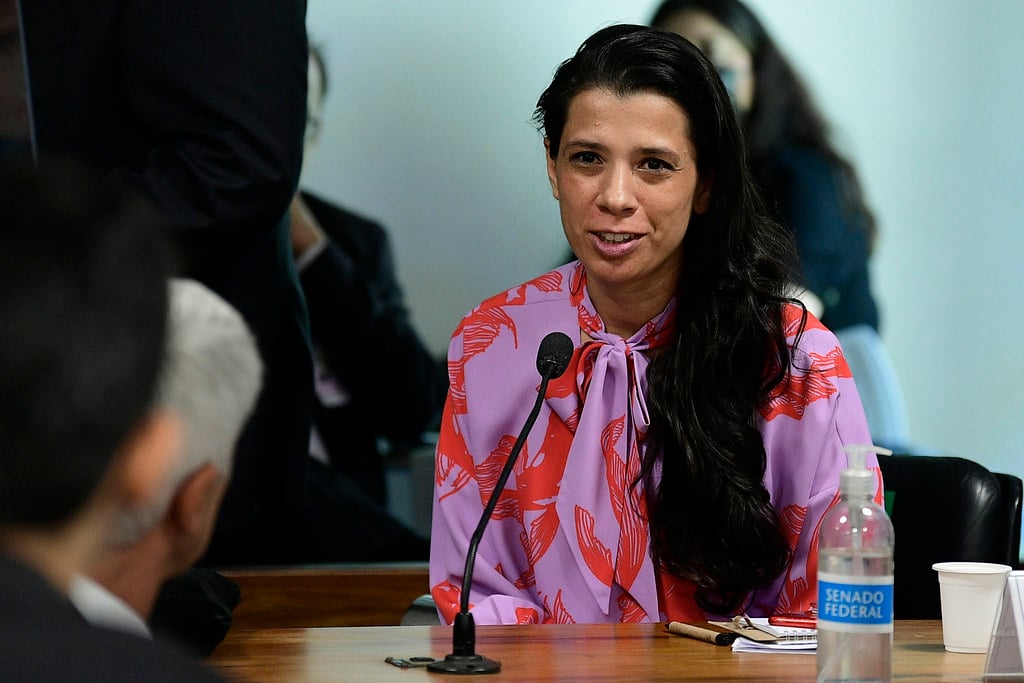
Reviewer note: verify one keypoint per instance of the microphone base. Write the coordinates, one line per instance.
(465, 665)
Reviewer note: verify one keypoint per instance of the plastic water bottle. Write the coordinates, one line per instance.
(855, 580)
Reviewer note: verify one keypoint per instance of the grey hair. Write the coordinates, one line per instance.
(210, 379)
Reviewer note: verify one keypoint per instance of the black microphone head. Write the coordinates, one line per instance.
(554, 354)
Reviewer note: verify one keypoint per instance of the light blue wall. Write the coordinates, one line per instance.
(428, 128)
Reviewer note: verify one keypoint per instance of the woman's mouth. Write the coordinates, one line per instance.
(616, 237)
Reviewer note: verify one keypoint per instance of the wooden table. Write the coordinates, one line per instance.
(594, 652)
(327, 595)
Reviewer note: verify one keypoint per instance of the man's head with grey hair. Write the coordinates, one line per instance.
(210, 380)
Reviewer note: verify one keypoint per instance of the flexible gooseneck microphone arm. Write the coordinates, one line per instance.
(552, 360)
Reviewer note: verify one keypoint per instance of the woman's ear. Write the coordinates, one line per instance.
(702, 196)
(552, 178)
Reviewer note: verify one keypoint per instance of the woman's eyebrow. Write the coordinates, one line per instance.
(660, 152)
(585, 144)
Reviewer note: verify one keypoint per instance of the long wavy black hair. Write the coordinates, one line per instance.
(783, 111)
(711, 518)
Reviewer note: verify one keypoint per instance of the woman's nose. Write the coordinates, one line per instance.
(617, 193)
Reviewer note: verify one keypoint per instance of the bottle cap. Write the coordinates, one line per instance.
(857, 480)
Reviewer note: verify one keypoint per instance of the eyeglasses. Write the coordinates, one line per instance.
(313, 125)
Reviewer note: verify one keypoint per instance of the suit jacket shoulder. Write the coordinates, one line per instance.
(361, 238)
(43, 638)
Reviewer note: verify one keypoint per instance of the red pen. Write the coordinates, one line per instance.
(793, 620)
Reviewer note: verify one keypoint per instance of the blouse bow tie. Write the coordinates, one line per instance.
(602, 514)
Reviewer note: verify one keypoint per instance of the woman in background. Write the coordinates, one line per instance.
(808, 186)
(682, 464)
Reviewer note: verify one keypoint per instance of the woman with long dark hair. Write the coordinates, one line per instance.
(809, 187)
(681, 466)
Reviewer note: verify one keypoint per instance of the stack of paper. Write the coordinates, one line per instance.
(760, 636)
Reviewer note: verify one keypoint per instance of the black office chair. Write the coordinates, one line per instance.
(422, 612)
(946, 509)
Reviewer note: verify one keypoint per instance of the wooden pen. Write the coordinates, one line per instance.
(705, 632)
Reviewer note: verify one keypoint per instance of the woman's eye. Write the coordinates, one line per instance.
(654, 164)
(585, 158)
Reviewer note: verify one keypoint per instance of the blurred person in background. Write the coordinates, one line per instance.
(83, 318)
(200, 106)
(377, 387)
(209, 382)
(809, 187)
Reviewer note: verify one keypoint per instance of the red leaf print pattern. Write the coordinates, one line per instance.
(482, 326)
(801, 391)
(595, 554)
(656, 337)
(676, 598)
(549, 282)
(632, 528)
(632, 612)
(615, 468)
(527, 580)
(632, 549)
(487, 474)
(447, 596)
(792, 521)
(479, 330)
(587, 320)
(526, 615)
(832, 364)
(796, 596)
(564, 385)
(792, 316)
(576, 283)
(453, 465)
(559, 614)
(583, 362)
(543, 530)
(538, 479)
(542, 474)
(812, 555)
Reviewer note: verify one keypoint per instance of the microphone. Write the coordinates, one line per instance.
(552, 360)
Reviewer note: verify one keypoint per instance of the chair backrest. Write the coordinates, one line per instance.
(946, 509)
(1012, 489)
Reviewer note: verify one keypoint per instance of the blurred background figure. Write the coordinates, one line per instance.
(15, 131)
(210, 380)
(377, 388)
(83, 316)
(811, 188)
(201, 107)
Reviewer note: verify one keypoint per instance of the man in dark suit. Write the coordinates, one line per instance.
(200, 104)
(376, 382)
(83, 309)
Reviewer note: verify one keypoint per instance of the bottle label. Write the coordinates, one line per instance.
(855, 604)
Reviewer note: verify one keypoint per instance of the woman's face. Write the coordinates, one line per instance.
(626, 182)
(725, 50)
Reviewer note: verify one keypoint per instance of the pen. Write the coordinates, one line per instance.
(701, 632)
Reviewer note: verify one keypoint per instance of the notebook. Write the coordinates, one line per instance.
(760, 636)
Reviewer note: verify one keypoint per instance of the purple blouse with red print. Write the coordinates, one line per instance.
(569, 540)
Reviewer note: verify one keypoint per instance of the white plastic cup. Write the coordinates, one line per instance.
(969, 593)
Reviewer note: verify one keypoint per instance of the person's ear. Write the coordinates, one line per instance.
(194, 498)
(192, 512)
(146, 458)
(552, 178)
(702, 196)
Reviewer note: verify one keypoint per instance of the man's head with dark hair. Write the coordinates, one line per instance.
(83, 310)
